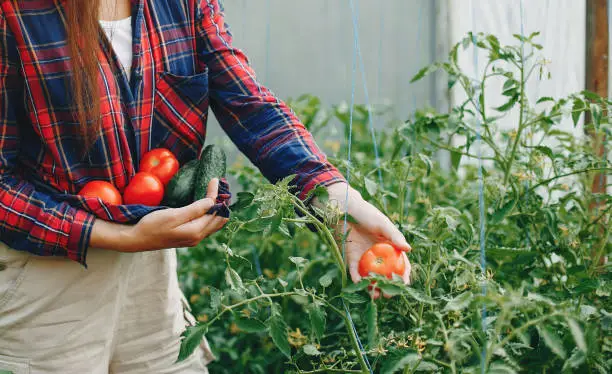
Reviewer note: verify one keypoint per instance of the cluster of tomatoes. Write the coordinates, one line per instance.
(147, 187)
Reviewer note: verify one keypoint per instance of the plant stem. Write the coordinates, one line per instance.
(451, 149)
(546, 181)
(324, 230)
(241, 303)
(330, 371)
(521, 125)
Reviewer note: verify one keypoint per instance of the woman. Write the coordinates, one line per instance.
(88, 287)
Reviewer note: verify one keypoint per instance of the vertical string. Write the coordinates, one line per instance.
(481, 203)
(348, 174)
(526, 183)
(418, 48)
(268, 37)
(355, 13)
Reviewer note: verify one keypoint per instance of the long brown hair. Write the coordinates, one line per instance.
(82, 28)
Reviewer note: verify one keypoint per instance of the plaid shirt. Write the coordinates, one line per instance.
(183, 61)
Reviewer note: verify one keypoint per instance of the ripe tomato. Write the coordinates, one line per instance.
(161, 163)
(145, 188)
(384, 259)
(104, 190)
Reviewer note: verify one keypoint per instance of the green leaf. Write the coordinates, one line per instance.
(278, 332)
(232, 278)
(552, 340)
(502, 212)
(577, 109)
(190, 340)
(545, 99)
(460, 302)
(500, 368)
(244, 200)
(257, 225)
(423, 72)
(327, 279)
(419, 296)
(508, 105)
(427, 161)
(390, 289)
(399, 359)
(546, 150)
(311, 350)
(250, 325)
(577, 334)
(596, 114)
(317, 319)
(574, 361)
(354, 298)
(371, 317)
(371, 186)
(215, 298)
(356, 287)
(455, 159)
(299, 261)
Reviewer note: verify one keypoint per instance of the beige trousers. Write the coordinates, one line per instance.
(122, 315)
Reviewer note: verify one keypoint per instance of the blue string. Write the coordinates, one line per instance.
(381, 33)
(481, 204)
(348, 176)
(268, 37)
(256, 260)
(355, 13)
(418, 49)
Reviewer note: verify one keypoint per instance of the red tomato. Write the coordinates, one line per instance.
(384, 259)
(145, 188)
(104, 190)
(161, 163)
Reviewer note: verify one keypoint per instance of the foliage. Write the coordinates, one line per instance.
(540, 305)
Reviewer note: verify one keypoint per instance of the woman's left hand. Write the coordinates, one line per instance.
(372, 226)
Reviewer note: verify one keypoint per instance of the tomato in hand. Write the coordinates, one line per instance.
(145, 189)
(160, 162)
(103, 190)
(384, 259)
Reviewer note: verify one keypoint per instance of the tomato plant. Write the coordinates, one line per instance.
(144, 188)
(160, 162)
(270, 293)
(103, 190)
(383, 259)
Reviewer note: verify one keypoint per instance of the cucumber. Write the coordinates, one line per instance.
(179, 191)
(212, 164)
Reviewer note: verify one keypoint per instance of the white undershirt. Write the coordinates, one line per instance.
(120, 35)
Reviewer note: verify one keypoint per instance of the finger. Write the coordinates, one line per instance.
(213, 189)
(353, 270)
(391, 233)
(200, 207)
(408, 270)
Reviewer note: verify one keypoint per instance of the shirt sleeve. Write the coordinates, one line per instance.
(263, 127)
(30, 221)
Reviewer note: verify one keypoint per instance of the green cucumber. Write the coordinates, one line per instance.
(212, 164)
(179, 191)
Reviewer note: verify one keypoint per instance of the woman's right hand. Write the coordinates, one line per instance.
(167, 228)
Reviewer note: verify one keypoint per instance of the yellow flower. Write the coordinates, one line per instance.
(296, 338)
(194, 298)
(203, 318)
(268, 273)
(234, 329)
(334, 145)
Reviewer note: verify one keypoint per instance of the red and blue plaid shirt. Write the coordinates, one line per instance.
(183, 61)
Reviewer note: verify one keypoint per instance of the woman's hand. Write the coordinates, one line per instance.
(372, 227)
(167, 228)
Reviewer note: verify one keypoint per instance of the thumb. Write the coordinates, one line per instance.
(200, 207)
